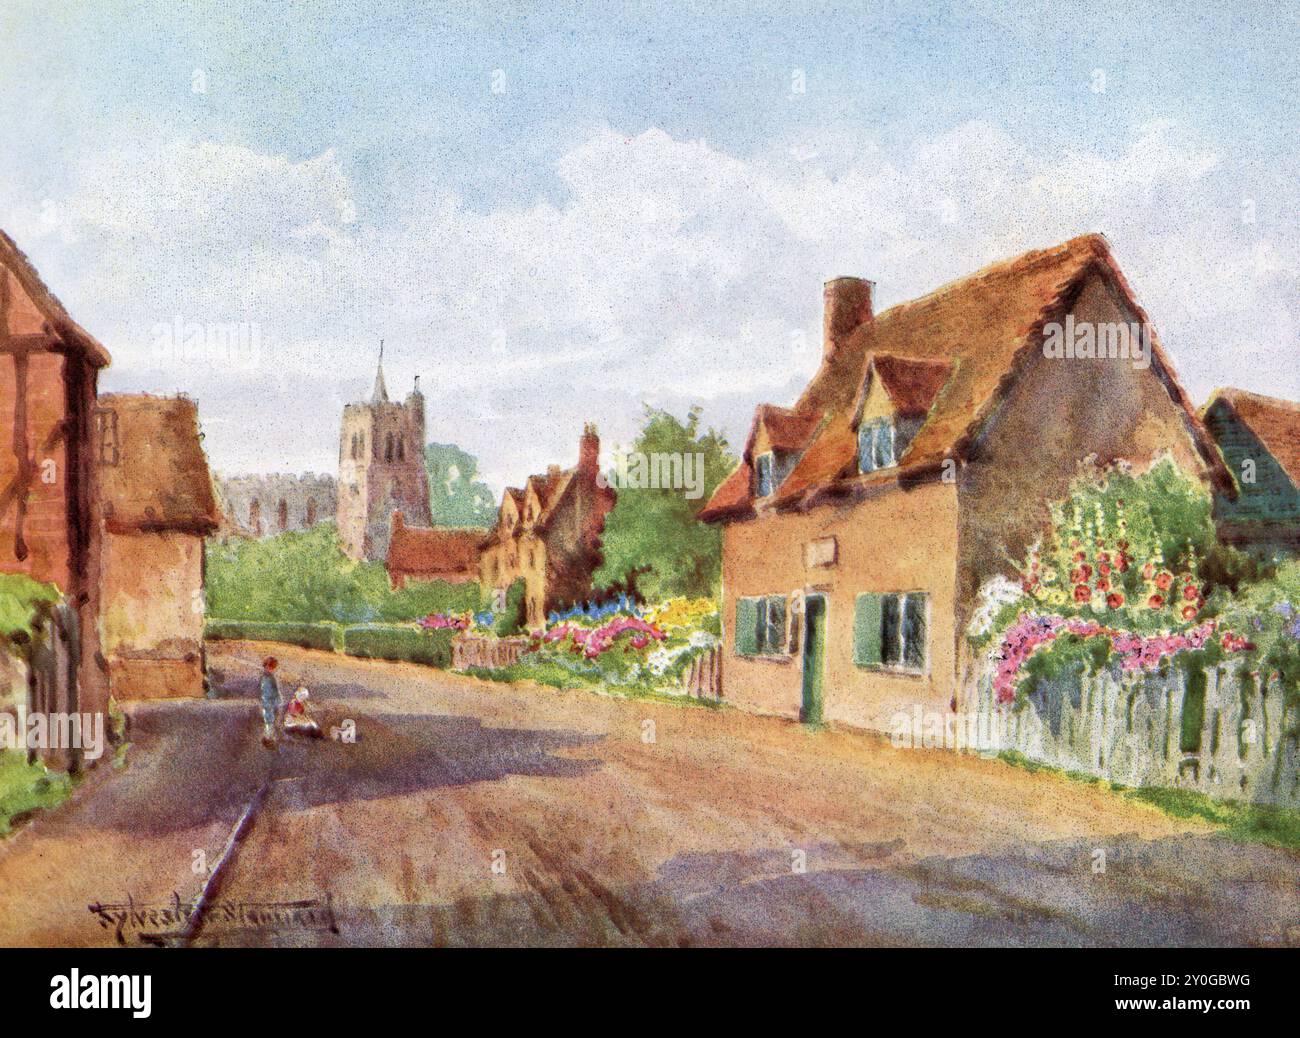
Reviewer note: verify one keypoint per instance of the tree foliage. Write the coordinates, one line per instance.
(653, 543)
(456, 496)
(305, 577)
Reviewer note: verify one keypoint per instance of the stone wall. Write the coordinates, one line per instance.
(261, 506)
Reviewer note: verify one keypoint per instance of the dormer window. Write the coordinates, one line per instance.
(876, 448)
(765, 467)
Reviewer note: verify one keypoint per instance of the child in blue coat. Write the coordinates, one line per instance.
(270, 701)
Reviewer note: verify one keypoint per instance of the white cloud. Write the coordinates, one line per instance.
(668, 271)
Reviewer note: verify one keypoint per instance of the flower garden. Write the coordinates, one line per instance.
(619, 644)
(1131, 575)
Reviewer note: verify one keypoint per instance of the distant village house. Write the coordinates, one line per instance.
(1259, 437)
(433, 553)
(548, 534)
(158, 506)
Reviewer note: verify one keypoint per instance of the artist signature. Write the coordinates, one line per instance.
(176, 920)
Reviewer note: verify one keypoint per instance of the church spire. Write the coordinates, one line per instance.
(380, 394)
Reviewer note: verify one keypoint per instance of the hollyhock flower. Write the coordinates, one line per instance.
(1155, 602)
(1114, 600)
(1148, 571)
(1082, 593)
(1164, 579)
(1190, 593)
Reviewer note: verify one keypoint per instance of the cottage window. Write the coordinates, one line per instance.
(891, 631)
(761, 626)
(388, 448)
(876, 445)
(283, 516)
(766, 474)
(311, 511)
(401, 449)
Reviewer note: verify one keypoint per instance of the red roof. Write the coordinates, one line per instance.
(415, 551)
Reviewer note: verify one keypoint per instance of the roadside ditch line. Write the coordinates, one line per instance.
(213, 886)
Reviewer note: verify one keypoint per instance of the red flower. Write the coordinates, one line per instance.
(1148, 571)
(1114, 600)
(1104, 557)
(1104, 568)
(1078, 555)
(1164, 580)
(1103, 584)
(1121, 562)
(1155, 601)
(1082, 593)
(1190, 593)
(1189, 612)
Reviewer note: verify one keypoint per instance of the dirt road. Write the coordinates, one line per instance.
(472, 813)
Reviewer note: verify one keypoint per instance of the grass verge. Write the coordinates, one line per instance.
(1243, 822)
(25, 788)
(555, 676)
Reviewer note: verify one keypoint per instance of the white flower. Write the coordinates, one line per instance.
(993, 595)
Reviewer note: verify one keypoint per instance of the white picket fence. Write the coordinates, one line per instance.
(1129, 729)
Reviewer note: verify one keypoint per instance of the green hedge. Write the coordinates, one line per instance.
(373, 641)
(399, 642)
(308, 636)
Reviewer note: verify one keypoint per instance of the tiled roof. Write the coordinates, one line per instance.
(420, 549)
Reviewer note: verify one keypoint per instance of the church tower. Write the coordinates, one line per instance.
(381, 468)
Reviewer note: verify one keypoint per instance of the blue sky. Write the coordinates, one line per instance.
(556, 215)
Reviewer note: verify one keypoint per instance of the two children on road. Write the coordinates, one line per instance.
(296, 717)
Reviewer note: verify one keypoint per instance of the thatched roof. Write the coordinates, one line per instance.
(1275, 423)
(160, 480)
(961, 348)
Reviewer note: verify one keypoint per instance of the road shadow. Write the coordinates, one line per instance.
(226, 684)
(1191, 890)
(194, 762)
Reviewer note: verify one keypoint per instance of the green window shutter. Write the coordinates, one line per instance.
(866, 630)
(746, 626)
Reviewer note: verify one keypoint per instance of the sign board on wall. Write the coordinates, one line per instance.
(820, 553)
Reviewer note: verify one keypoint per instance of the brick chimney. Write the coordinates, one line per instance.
(848, 305)
(589, 451)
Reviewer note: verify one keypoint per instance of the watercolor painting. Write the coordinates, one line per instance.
(679, 475)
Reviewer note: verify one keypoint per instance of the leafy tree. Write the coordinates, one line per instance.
(456, 497)
(654, 545)
(305, 577)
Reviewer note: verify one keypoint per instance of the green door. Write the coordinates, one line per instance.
(814, 658)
